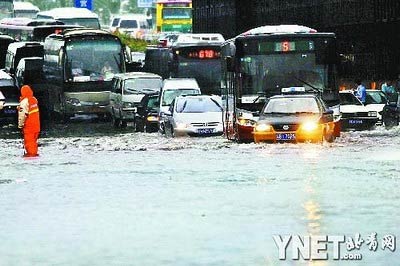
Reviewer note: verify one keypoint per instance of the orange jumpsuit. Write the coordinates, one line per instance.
(29, 120)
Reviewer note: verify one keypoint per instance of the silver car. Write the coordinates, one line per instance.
(195, 115)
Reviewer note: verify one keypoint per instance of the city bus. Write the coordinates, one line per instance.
(25, 10)
(25, 29)
(74, 70)
(269, 60)
(174, 16)
(72, 16)
(198, 56)
(6, 9)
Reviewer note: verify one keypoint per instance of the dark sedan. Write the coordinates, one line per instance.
(391, 112)
(295, 118)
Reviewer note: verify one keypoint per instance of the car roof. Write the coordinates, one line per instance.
(184, 83)
(294, 96)
(132, 75)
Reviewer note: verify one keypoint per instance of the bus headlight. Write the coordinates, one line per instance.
(263, 127)
(309, 126)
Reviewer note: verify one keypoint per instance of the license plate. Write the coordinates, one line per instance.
(10, 111)
(285, 136)
(205, 130)
(355, 121)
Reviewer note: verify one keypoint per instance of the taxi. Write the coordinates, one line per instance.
(295, 118)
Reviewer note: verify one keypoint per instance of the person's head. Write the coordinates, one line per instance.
(358, 81)
(26, 91)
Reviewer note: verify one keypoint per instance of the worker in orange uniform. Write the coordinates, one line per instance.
(29, 121)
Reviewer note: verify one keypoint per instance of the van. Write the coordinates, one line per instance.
(136, 26)
(172, 88)
(18, 50)
(127, 92)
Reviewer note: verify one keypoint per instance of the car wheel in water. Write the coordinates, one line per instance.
(390, 122)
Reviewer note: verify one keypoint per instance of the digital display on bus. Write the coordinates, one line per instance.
(286, 46)
(200, 53)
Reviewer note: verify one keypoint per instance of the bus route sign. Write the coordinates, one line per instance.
(84, 4)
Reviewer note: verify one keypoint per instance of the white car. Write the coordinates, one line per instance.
(198, 115)
(172, 88)
(376, 101)
(355, 114)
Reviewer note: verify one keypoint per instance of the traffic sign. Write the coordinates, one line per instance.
(84, 4)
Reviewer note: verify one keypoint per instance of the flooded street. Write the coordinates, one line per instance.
(127, 198)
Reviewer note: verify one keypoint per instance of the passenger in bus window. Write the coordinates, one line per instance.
(107, 69)
(77, 68)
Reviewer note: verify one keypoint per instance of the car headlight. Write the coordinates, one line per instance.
(246, 122)
(127, 105)
(309, 126)
(180, 125)
(152, 118)
(263, 127)
(73, 101)
(372, 113)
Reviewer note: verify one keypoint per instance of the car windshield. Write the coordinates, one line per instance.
(153, 103)
(292, 106)
(375, 97)
(10, 92)
(197, 105)
(128, 24)
(348, 99)
(170, 95)
(136, 85)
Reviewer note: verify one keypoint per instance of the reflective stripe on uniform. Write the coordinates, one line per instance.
(33, 111)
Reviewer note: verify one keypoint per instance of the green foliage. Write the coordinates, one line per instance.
(136, 45)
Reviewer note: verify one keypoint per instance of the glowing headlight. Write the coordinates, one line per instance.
(152, 118)
(181, 125)
(309, 126)
(263, 127)
(372, 113)
(246, 122)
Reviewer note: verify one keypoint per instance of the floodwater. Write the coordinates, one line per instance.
(96, 196)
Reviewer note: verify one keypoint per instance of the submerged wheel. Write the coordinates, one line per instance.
(115, 122)
(390, 122)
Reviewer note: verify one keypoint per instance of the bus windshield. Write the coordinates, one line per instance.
(6, 9)
(271, 72)
(177, 13)
(93, 59)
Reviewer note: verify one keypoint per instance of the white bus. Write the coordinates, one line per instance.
(25, 10)
(72, 16)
